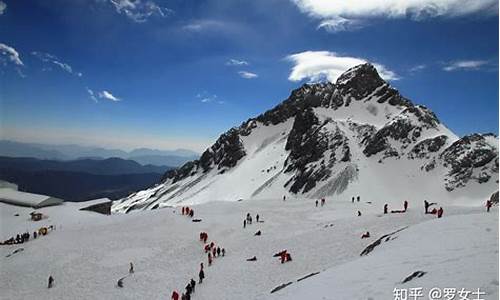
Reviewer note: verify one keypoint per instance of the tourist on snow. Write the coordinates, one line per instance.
(359, 213)
(183, 210)
(120, 283)
(244, 223)
(288, 257)
(252, 259)
(365, 235)
(218, 251)
(250, 220)
(440, 212)
(322, 201)
(352, 199)
(283, 256)
(257, 218)
(214, 251)
(188, 288)
(358, 198)
(175, 295)
(386, 208)
(201, 275)
(488, 205)
(51, 281)
(191, 213)
(209, 258)
(131, 269)
(193, 284)
(405, 204)
(316, 203)
(258, 233)
(223, 251)
(284, 198)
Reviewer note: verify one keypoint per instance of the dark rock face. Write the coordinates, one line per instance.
(403, 130)
(469, 153)
(306, 143)
(427, 146)
(361, 81)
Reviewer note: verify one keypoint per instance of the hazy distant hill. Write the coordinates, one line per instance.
(109, 166)
(72, 152)
(80, 179)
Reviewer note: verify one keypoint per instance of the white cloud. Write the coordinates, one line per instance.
(465, 65)
(206, 97)
(140, 11)
(235, 62)
(247, 75)
(49, 58)
(203, 25)
(92, 95)
(417, 68)
(319, 65)
(3, 7)
(339, 15)
(108, 96)
(340, 24)
(10, 54)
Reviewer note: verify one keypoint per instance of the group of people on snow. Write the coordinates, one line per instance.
(248, 220)
(24, 237)
(284, 256)
(322, 202)
(187, 211)
(213, 252)
(190, 287)
(358, 198)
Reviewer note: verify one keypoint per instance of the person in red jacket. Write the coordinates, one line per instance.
(405, 205)
(440, 212)
(175, 295)
(488, 205)
(214, 251)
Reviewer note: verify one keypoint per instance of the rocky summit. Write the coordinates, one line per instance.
(358, 136)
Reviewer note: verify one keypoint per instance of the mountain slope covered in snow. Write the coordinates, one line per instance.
(359, 136)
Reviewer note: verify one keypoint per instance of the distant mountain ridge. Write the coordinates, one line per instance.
(79, 180)
(143, 156)
(109, 166)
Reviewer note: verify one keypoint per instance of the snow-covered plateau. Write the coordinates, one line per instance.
(88, 252)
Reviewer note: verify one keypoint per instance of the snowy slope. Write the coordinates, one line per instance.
(88, 252)
(458, 252)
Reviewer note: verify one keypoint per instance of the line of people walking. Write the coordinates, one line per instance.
(25, 237)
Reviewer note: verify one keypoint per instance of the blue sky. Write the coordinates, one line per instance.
(176, 74)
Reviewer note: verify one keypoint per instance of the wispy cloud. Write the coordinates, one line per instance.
(3, 7)
(465, 65)
(140, 11)
(204, 25)
(52, 59)
(340, 24)
(10, 55)
(247, 75)
(417, 68)
(91, 94)
(344, 15)
(320, 65)
(236, 62)
(108, 96)
(205, 97)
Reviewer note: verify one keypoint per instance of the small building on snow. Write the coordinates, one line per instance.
(11, 196)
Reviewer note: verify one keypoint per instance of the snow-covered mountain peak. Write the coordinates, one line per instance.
(357, 136)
